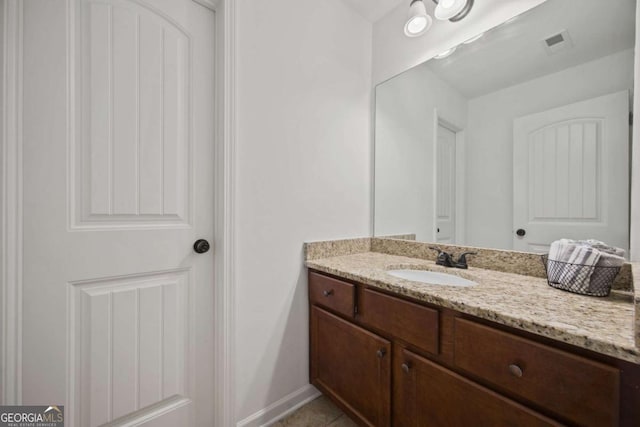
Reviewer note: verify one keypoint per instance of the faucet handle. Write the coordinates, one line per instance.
(462, 259)
(445, 259)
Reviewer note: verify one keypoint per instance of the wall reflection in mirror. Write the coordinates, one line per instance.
(515, 139)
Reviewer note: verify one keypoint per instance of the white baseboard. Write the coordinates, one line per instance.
(281, 408)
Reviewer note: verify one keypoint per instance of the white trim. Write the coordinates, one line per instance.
(459, 236)
(434, 177)
(224, 214)
(11, 368)
(634, 234)
(461, 196)
(372, 159)
(73, 384)
(280, 409)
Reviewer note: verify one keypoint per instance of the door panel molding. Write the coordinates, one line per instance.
(571, 173)
(575, 144)
(149, 315)
(209, 4)
(144, 137)
(11, 299)
(178, 407)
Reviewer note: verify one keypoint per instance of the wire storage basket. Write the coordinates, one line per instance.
(593, 280)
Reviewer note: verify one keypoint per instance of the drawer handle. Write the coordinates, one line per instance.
(380, 353)
(327, 293)
(515, 370)
(406, 367)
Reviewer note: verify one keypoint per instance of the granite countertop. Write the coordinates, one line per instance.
(604, 325)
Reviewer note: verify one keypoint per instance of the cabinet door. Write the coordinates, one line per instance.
(430, 395)
(353, 366)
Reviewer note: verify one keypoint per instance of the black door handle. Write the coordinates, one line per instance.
(201, 246)
(521, 232)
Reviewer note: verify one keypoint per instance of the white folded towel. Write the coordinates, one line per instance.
(603, 247)
(561, 250)
(610, 260)
(586, 253)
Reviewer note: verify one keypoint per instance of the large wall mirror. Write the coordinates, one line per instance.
(516, 138)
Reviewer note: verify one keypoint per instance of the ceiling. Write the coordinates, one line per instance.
(373, 10)
(515, 53)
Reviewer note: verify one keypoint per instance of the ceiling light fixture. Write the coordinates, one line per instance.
(452, 10)
(446, 53)
(472, 39)
(418, 22)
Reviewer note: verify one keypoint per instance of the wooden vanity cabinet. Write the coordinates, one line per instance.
(389, 360)
(353, 366)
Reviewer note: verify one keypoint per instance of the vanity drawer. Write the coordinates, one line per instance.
(331, 293)
(577, 389)
(412, 323)
(428, 394)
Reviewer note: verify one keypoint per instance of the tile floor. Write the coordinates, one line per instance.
(317, 413)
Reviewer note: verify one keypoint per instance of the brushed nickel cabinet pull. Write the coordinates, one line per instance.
(327, 293)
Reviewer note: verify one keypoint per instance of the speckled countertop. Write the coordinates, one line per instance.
(604, 325)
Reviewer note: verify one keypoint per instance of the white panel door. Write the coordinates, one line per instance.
(118, 184)
(446, 186)
(571, 174)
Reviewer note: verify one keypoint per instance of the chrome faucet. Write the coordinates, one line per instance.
(446, 259)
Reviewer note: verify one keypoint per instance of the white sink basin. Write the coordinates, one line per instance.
(432, 278)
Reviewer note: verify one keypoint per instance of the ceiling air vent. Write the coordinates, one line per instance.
(557, 42)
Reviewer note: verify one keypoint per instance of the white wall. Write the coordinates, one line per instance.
(303, 173)
(3, 351)
(393, 52)
(404, 147)
(489, 179)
